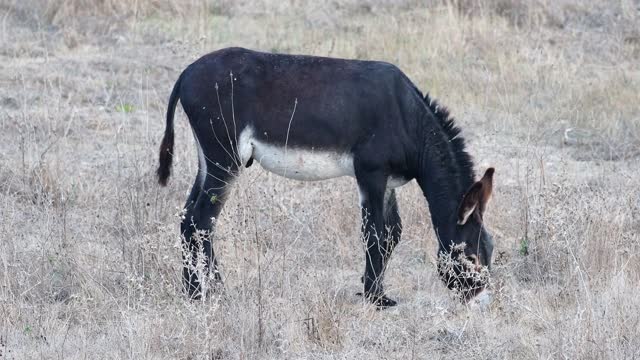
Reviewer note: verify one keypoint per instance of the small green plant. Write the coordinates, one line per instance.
(124, 108)
(524, 246)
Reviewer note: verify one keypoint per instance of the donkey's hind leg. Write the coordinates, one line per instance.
(198, 228)
(186, 229)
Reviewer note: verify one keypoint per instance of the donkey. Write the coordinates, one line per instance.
(313, 118)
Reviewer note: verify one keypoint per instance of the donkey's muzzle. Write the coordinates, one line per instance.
(463, 275)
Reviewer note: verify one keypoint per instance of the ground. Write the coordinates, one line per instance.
(546, 92)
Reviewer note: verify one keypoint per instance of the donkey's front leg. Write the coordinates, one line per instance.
(372, 187)
(392, 224)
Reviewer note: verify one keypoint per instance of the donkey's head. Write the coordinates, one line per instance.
(464, 266)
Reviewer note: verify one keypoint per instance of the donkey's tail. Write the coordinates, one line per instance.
(166, 147)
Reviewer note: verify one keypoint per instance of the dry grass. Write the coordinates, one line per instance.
(546, 92)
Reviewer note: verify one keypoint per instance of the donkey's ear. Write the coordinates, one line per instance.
(476, 198)
(487, 189)
(470, 202)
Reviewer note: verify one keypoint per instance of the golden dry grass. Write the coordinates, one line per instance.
(547, 92)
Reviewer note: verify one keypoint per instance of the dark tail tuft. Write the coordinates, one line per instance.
(166, 158)
(166, 147)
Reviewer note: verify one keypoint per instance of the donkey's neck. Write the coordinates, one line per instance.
(445, 171)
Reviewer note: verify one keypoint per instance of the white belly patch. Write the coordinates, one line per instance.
(294, 163)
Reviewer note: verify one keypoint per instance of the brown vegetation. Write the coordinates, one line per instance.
(545, 91)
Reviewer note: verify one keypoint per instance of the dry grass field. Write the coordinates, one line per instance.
(546, 91)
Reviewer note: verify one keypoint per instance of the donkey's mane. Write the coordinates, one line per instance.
(463, 162)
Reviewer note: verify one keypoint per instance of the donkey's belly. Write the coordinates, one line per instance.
(294, 163)
(302, 164)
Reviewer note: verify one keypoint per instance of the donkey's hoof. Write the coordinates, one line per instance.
(383, 302)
